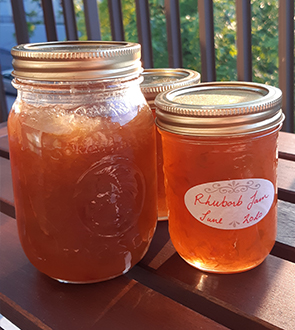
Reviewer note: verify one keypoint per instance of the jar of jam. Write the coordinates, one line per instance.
(220, 164)
(83, 158)
(157, 81)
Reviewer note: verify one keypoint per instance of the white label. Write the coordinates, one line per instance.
(232, 204)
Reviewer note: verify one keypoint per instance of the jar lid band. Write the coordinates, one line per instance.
(76, 60)
(160, 80)
(219, 109)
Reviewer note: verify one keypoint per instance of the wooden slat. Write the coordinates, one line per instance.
(20, 23)
(117, 28)
(286, 224)
(286, 195)
(244, 57)
(283, 251)
(3, 129)
(6, 190)
(92, 19)
(3, 104)
(263, 297)
(286, 60)
(20, 316)
(286, 144)
(121, 303)
(206, 30)
(286, 170)
(4, 149)
(49, 20)
(286, 180)
(173, 33)
(70, 19)
(144, 32)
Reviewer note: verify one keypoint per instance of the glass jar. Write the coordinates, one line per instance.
(83, 158)
(220, 163)
(157, 81)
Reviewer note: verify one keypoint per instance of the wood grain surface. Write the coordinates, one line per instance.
(160, 292)
(34, 301)
(266, 293)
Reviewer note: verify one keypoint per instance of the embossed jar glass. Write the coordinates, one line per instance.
(155, 82)
(83, 158)
(220, 163)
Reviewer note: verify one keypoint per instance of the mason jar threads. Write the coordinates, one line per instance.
(157, 81)
(220, 163)
(83, 158)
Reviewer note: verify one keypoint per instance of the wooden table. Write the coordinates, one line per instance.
(162, 291)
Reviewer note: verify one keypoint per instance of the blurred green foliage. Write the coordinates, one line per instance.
(33, 17)
(264, 34)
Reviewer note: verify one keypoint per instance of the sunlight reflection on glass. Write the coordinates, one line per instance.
(202, 282)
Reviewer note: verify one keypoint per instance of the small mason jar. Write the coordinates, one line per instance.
(83, 158)
(220, 163)
(155, 82)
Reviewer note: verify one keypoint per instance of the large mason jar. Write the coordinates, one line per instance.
(83, 158)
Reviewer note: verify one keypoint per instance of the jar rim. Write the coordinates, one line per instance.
(76, 60)
(159, 80)
(219, 109)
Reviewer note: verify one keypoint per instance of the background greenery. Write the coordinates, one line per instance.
(264, 24)
(264, 35)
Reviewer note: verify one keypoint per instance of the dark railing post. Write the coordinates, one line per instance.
(144, 32)
(244, 57)
(49, 20)
(92, 19)
(3, 104)
(205, 8)
(70, 19)
(286, 61)
(20, 23)
(117, 28)
(173, 33)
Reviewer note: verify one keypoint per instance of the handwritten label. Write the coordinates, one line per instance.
(232, 204)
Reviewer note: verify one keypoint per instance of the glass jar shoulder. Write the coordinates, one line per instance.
(64, 107)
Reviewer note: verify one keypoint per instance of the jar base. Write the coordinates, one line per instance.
(91, 281)
(87, 282)
(223, 270)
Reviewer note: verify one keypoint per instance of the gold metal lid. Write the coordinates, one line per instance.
(156, 81)
(219, 109)
(76, 60)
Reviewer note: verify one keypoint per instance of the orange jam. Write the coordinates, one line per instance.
(83, 163)
(83, 191)
(189, 162)
(162, 206)
(221, 174)
(156, 81)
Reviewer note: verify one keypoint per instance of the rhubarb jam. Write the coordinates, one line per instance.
(220, 166)
(83, 163)
(157, 81)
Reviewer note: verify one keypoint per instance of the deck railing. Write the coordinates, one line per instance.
(206, 30)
